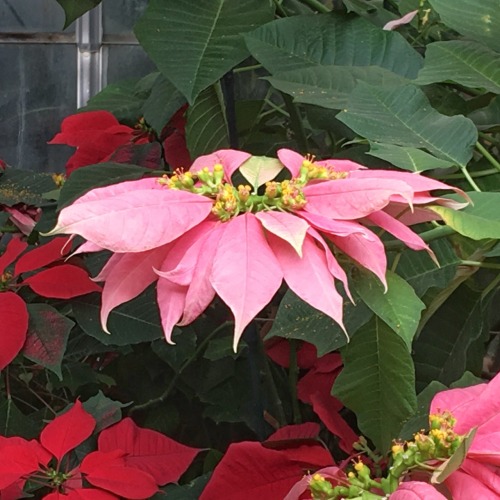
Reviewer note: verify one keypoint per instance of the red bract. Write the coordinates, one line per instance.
(148, 450)
(282, 235)
(95, 134)
(60, 280)
(131, 462)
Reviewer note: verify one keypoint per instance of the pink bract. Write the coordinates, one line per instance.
(478, 407)
(244, 257)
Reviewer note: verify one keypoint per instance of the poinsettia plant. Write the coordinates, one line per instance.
(280, 249)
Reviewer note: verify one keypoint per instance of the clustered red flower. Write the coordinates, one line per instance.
(130, 462)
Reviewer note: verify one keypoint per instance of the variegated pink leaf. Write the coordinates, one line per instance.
(139, 218)
(348, 199)
(245, 272)
(286, 226)
(309, 276)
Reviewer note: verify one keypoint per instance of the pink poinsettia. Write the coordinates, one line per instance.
(52, 278)
(475, 407)
(199, 236)
(130, 462)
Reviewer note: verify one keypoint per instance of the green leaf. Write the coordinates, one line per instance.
(330, 86)
(455, 461)
(189, 491)
(420, 420)
(477, 221)
(487, 117)
(131, 323)
(296, 319)
(195, 43)
(302, 42)
(84, 179)
(468, 63)
(477, 20)
(260, 169)
(48, 333)
(407, 158)
(403, 116)
(440, 351)
(162, 103)
(21, 186)
(121, 99)
(206, 127)
(176, 355)
(399, 307)
(422, 273)
(73, 9)
(377, 382)
(13, 422)
(105, 411)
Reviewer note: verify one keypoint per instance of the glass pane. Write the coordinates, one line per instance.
(127, 61)
(37, 92)
(32, 15)
(121, 15)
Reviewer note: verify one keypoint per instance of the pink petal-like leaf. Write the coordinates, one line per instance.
(62, 282)
(14, 321)
(334, 227)
(67, 431)
(407, 18)
(417, 490)
(43, 255)
(102, 470)
(341, 165)
(486, 473)
(133, 216)
(201, 292)
(248, 470)
(291, 159)
(87, 247)
(309, 277)
(288, 227)
(245, 272)
(15, 247)
(399, 230)
(230, 159)
(353, 198)
(165, 459)
(171, 298)
(130, 275)
(463, 486)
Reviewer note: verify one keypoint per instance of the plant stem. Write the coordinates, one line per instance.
(485, 265)
(317, 5)
(9, 229)
(470, 179)
(488, 138)
(494, 162)
(247, 68)
(274, 107)
(432, 234)
(160, 399)
(481, 173)
(296, 123)
(492, 285)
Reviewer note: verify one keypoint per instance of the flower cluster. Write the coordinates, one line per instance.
(199, 235)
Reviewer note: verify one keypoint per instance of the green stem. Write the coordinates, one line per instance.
(317, 5)
(274, 107)
(293, 378)
(481, 173)
(485, 265)
(9, 229)
(488, 138)
(470, 180)
(296, 123)
(247, 68)
(493, 284)
(279, 8)
(160, 399)
(427, 236)
(494, 162)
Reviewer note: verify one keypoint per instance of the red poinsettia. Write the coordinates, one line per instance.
(130, 462)
(99, 137)
(44, 271)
